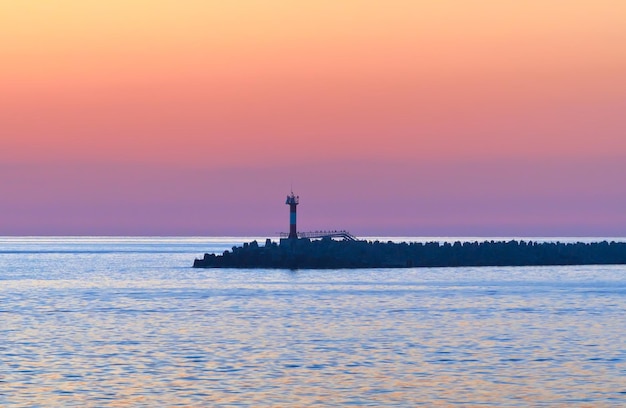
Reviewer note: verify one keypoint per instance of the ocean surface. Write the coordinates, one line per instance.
(126, 322)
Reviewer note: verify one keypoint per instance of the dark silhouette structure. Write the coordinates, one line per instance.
(327, 253)
(319, 250)
(292, 202)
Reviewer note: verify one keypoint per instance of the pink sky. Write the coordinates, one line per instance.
(393, 118)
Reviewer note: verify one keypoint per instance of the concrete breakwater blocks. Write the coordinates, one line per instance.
(327, 253)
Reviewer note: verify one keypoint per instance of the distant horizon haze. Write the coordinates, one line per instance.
(528, 199)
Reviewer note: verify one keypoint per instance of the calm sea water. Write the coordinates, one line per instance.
(108, 322)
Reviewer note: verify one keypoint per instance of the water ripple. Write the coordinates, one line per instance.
(150, 333)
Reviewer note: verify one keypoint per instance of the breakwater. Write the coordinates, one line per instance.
(333, 254)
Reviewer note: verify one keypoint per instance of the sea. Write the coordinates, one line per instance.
(127, 322)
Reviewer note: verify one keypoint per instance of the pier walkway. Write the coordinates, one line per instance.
(323, 234)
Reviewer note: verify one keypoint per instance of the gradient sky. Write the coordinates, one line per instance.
(403, 117)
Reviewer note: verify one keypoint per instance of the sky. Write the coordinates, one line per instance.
(402, 117)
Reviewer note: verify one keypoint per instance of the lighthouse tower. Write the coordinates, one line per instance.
(292, 201)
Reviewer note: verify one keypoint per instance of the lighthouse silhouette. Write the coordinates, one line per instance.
(292, 201)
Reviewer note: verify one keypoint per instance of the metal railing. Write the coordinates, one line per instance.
(323, 234)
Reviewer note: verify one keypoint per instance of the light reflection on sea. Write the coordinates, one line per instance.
(126, 322)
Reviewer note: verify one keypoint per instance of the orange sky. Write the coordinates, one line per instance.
(222, 84)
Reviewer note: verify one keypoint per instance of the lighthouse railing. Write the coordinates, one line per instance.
(323, 234)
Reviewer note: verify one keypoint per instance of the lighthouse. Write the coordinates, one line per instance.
(292, 201)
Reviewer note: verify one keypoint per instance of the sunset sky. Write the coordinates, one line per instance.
(401, 117)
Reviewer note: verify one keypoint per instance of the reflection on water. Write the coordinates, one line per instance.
(129, 323)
